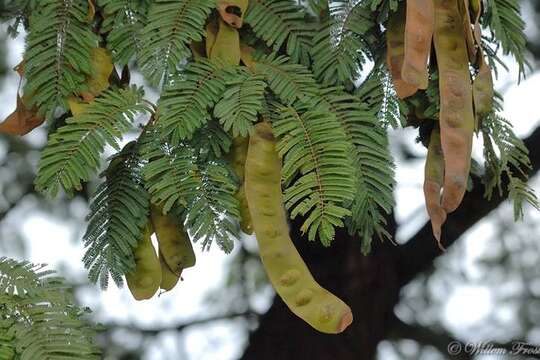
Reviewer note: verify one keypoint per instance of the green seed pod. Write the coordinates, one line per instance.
(238, 160)
(433, 182)
(483, 91)
(168, 278)
(418, 34)
(287, 271)
(144, 281)
(456, 109)
(174, 244)
(226, 47)
(395, 51)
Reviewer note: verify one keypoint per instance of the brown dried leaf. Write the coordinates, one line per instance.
(21, 121)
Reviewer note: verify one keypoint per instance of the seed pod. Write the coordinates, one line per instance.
(483, 91)
(433, 182)
(211, 32)
(226, 48)
(232, 11)
(395, 51)
(287, 271)
(174, 244)
(144, 281)
(456, 111)
(168, 278)
(22, 120)
(102, 67)
(238, 160)
(472, 50)
(418, 34)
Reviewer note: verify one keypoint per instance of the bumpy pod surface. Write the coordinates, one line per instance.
(238, 160)
(395, 52)
(287, 271)
(144, 281)
(456, 108)
(433, 182)
(418, 35)
(174, 243)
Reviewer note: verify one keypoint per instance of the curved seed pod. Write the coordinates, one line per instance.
(168, 278)
(211, 32)
(233, 11)
(238, 160)
(433, 182)
(174, 244)
(227, 45)
(456, 108)
(21, 121)
(468, 30)
(144, 281)
(418, 34)
(246, 55)
(483, 90)
(102, 67)
(395, 51)
(287, 271)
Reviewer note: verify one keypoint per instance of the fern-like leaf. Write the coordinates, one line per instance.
(316, 167)
(241, 103)
(177, 180)
(118, 214)
(280, 22)
(504, 19)
(57, 57)
(72, 154)
(186, 104)
(342, 44)
(172, 25)
(373, 163)
(38, 318)
(123, 24)
(288, 81)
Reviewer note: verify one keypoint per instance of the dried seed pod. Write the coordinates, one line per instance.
(395, 52)
(418, 34)
(287, 271)
(433, 183)
(21, 121)
(233, 11)
(145, 280)
(456, 109)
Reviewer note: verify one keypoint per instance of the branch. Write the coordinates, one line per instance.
(415, 257)
(109, 327)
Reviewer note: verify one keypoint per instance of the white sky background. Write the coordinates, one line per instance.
(52, 241)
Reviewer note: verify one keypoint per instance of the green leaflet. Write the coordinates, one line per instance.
(72, 154)
(372, 161)
(171, 26)
(118, 214)
(342, 44)
(186, 104)
(38, 318)
(280, 22)
(241, 103)
(313, 145)
(177, 180)
(123, 24)
(57, 57)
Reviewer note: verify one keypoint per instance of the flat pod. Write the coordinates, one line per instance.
(433, 182)
(456, 116)
(395, 52)
(174, 243)
(168, 278)
(226, 47)
(418, 35)
(238, 160)
(287, 271)
(21, 121)
(145, 280)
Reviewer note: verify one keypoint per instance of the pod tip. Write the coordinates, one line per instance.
(346, 320)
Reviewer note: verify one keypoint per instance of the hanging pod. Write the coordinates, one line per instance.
(433, 182)
(168, 278)
(145, 280)
(456, 109)
(233, 11)
(418, 35)
(226, 47)
(287, 271)
(395, 52)
(174, 243)
(238, 160)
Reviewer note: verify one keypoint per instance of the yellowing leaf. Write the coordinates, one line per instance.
(76, 106)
